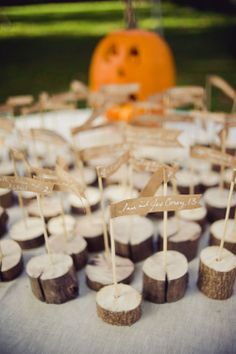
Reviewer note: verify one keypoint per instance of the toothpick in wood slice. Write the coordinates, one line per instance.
(105, 234)
(227, 214)
(63, 218)
(165, 218)
(44, 227)
(19, 195)
(113, 259)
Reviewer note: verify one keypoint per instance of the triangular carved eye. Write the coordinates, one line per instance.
(111, 51)
(134, 51)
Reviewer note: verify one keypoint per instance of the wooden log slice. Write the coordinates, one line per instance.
(56, 226)
(209, 179)
(91, 228)
(3, 221)
(27, 197)
(75, 246)
(216, 202)
(161, 286)
(197, 215)
(184, 179)
(183, 236)
(123, 310)
(50, 205)
(93, 196)
(216, 277)
(53, 282)
(30, 237)
(227, 179)
(133, 237)
(89, 175)
(116, 193)
(11, 262)
(99, 271)
(216, 233)
(6, 198)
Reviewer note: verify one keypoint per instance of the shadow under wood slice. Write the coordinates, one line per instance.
(161, 286)
(53, 282)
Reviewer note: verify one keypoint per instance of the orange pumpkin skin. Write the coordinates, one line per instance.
(133, 56)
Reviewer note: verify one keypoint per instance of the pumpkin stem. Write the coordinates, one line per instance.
(130, 15)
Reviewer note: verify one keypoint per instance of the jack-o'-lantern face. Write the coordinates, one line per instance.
(133, 56)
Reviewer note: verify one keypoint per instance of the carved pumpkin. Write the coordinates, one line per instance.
(133, 56)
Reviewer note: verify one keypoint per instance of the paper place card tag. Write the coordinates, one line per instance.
(99, 151)
(88, 123)
(17, 154)
(20, 184)
(107, 171)
(153, 136)
(48, 136)
(157, 179)
(20, 100)
(222, 85)
(145, 165)
(146, 205)
(230, 120)
(68, 181)
(7, 125)
(214, 156)
(120, 89)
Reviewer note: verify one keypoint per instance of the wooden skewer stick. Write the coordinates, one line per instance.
(1, 253)
(113, 260)
(227, 214)
(191, 186)
(20, 199)
(130, 180)
(165, 218)
(105, 235)
(44, 227)
(223, 149)
(63, 219)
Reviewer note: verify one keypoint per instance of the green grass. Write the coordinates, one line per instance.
(43, 47)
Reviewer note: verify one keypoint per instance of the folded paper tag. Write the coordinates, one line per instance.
(145, 165)
(20, 184)
(68, 182)
(7, 125)
(157, 178)
(107, 171)
(16, 101)
(99, 151)
(222, 85)
(48, 136)
(153, 136)
(17, 154)
(88, 123)
(143, 206)
(214, 156)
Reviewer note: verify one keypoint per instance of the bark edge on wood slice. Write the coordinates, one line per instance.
(124, 310)
(216, 232)
(183, 236)
(53, 283)
(160, 286)
(31, 237)
(6, 198)
(99, 271)
(3, 221)
(133, 237)
(216, 277)
(12, 260)
(216, 203)
(75, 246)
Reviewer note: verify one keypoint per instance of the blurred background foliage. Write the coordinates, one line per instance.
(45, 46)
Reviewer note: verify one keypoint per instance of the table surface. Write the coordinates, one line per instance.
(194, 324)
